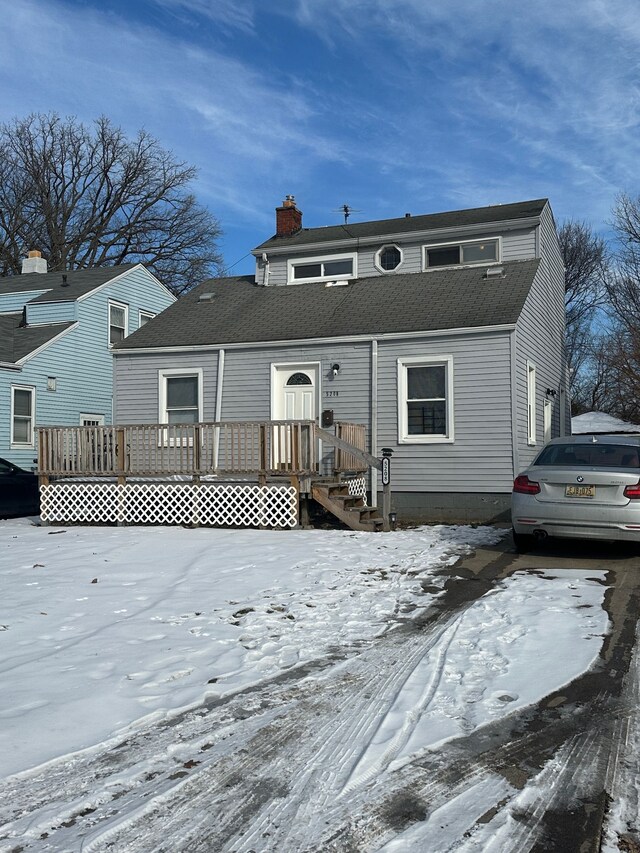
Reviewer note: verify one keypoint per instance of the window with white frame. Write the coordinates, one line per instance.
(531, 403)
(388, 258)
(467, 252)
(23, 405)
(90, 419)
(180, 396)
(425, 400)
(118, 322)
(331, 268)
(144, 317)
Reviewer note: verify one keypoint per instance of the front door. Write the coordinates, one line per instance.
(294, 395)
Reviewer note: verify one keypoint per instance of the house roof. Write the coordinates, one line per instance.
(17, 341)
(79, 283)
(240, 311)
(601, 423)
(408, 224)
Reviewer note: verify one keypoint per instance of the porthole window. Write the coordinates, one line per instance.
(388, 258)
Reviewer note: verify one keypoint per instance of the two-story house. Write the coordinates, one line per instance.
(57, 331)
(442, 333)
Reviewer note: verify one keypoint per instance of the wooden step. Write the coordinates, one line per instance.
(350, 509)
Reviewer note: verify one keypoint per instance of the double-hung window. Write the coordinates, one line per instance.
(425, 400)
(181, 396)
(118, 322)
(335, 267)
(144, 317)
(23, 405)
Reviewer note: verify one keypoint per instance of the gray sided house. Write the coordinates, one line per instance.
(443, 334)
(57, 331)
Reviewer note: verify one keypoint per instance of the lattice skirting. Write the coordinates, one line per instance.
(170, 503)
(358, 488)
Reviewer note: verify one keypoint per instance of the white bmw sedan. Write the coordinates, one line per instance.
(582, 487)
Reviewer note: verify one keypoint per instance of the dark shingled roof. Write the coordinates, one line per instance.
(16, 342)
(431, 221)
(242, 312)
(80, 282)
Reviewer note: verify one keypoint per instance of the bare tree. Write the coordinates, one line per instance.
(89, 196)
(586, 266)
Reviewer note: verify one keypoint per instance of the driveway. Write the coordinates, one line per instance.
(277, 766)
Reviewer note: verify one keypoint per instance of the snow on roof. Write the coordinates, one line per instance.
(599, 422)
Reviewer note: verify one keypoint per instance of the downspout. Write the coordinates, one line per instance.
(218, 411)
(514, 405)
(373, 472)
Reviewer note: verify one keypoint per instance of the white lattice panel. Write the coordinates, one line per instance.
(358, 488)
(170, 503)
(83, 502)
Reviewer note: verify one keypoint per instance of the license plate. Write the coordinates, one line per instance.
(580, 491)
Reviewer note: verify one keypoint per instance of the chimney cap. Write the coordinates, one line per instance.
(34, 253)
(289, 201)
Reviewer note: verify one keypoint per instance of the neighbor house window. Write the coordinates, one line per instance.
(23, 404)
(180, 396)
(388, 258)
(89, 419)
(425, 399)
(144, 317)
(531, 403)
(468, 252)
(322, 269)
(118, 322)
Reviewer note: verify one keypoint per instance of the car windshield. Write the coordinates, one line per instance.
(597, 455)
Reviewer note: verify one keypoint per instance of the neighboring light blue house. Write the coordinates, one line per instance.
(56, 334)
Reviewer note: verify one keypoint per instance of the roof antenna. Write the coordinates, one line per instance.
(346, 210)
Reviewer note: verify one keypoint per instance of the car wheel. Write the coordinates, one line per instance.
(522, 541)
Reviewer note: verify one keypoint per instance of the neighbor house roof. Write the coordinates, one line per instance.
(499, 213)
(600, 423)
(79, 283)
(239, 311)
(17, 341)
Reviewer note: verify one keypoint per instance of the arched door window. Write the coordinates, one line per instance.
(299, 379)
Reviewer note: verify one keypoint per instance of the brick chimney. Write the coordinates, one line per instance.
(34, 263)
(288, 218)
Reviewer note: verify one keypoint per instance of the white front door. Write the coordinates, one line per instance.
(294, 395)
(294, 392)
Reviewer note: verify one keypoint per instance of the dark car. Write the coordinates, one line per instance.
(19, 493)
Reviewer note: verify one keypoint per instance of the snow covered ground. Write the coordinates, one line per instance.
(109, 632)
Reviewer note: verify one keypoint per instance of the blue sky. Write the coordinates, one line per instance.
(390, 106)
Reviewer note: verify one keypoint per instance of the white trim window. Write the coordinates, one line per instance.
(23, 409)
(327, 268)
(388, 258)
(118, 322)
(180, 395)
(462, 253)
(531, 403)
(91, 419)
(425, 400)
(144, 317)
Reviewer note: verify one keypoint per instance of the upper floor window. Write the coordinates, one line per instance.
(23, 398)
(468, 252)
(322, 269)
(388, 258)
(144, 317)
(118, 322)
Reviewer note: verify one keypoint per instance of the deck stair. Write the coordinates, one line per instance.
(350, 509)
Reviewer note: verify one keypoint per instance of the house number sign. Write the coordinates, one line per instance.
(331, 393)
(386, 470)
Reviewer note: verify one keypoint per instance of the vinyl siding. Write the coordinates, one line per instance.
(479, 459)
(80, 360)
(540, 340)
(10, 303)
(51, 312)
(518, 244)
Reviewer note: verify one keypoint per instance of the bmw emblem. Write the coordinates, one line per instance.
(580, 479)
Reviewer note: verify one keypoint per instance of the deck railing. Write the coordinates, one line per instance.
(223, 448)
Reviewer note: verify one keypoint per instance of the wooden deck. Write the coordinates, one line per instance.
(265, 453)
